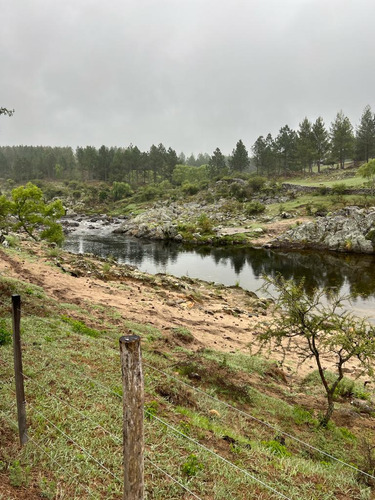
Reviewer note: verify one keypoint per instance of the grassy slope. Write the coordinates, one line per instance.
(68, 363)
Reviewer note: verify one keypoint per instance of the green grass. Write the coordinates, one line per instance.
(70, 364)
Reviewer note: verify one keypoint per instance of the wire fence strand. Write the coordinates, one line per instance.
(70, 438)
(259, 421)
(35, 443)
(111, 434)
(200, 445)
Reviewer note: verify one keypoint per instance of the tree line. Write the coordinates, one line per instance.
(290, 151)
(314, 144)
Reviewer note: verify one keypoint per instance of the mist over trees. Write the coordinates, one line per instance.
(289, 152)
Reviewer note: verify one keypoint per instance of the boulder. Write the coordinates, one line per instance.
(350, 229)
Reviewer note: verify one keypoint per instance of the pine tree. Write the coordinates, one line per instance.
(305, 146)
(342, 139)
(365, 136)
(320, 141)
(239, 160)
(286, 148)
(217, 164)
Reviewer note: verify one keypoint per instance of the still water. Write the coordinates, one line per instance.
(348, 273)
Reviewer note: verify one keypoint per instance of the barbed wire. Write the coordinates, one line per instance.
(172, 478)
(262, 422)
(70, 438)
(13, 424)
(164, 423)
(228, 405)
(7, 381)
(197, 443)
(111, 434)
(259, 421)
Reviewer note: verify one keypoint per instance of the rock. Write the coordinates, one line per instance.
(286, 215)
(363, 406)
(347, 230)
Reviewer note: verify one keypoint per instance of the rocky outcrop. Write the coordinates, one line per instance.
(167, 222)
(298, 189)
(350, 229)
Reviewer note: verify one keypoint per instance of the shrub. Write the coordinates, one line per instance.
(254, 207)
(147, 193)
(239, 191)
(339, 189)
(256, 183)
(276, 448)
(191, 466)
(189, 188)
(120, 190)
(205, 223)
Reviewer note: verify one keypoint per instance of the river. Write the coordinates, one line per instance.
(348, 273)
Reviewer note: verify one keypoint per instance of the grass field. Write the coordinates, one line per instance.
(203, 417)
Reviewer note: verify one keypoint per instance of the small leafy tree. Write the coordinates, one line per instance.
(314, 325)
(32, 213)
(367, 171)
(120, 190)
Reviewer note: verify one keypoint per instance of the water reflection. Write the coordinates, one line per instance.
(353, 274)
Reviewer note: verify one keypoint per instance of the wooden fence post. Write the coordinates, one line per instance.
(133, 402)
(18, 370)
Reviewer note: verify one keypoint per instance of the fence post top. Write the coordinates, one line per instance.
(16, 297)
(128, 339)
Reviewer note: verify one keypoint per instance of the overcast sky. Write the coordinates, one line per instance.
(192, 74)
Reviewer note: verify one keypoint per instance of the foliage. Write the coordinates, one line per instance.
(147, 193)
(188, 174)
(254, 207)
(365, 136)
(256, 183)
(276, 448)
(367, 171)
(120, 190)
(204, 223)
(342, 138)
(217, 165)
(239, 161)
(339, 188)
(79, 327)
(32, 213)
(314, 326)
(191, 466)
(346, 388)
(189, 188)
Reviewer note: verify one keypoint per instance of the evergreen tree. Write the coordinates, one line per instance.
(191, 161)
(157, 159)
(320, 141)
(171, 160)
(342, 139)
(365, 136)
(239, 161)
(286, 148)
(305, 145)
(217, 164)
(202, 159)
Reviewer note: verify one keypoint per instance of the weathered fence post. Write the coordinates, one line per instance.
(133, 401)
(18, 370)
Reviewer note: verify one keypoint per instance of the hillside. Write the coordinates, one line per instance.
(198, 374)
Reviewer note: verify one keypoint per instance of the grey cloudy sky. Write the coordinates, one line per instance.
(192, 74)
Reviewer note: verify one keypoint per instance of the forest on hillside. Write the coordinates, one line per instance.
(291, 151)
